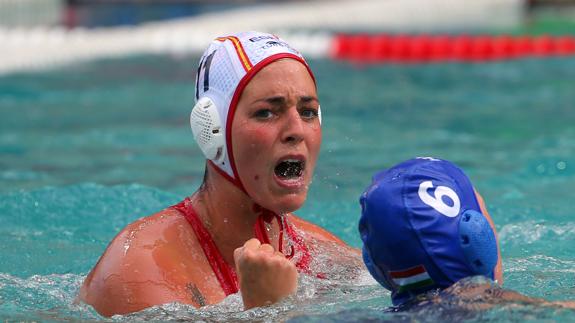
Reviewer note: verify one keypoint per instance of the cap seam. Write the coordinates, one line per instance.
(420, 239)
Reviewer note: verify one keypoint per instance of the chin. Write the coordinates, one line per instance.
(289, 203)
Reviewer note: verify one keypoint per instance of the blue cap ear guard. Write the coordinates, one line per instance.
(422, 229)
(478, 242)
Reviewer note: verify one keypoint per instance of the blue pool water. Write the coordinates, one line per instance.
(86, 149)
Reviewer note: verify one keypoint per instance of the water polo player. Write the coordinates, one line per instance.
(257, 120)
(424, 227)
(424, 230)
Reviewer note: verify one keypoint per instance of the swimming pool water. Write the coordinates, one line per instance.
(86, 149)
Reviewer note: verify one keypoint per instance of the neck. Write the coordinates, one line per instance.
(228, 213)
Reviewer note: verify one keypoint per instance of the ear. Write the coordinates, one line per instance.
(498, 272)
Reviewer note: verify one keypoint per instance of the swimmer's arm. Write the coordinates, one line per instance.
(114, 295)
(127, 280)
(515, 297)
(487, 295)
(565, 304)
(519, 298)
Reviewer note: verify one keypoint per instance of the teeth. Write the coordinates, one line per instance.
(289, 168)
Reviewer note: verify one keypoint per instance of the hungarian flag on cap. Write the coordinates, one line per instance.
(411, 278)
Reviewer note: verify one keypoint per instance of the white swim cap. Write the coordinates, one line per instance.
(225, 69)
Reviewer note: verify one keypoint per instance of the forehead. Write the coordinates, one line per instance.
(281, 76)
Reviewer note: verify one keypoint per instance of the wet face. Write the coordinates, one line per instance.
(277, 135)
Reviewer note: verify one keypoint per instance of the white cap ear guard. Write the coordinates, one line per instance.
(226, 67)
(207, 129)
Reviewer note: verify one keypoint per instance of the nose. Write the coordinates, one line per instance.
(293, 131)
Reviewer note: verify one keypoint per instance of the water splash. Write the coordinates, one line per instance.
(43, 298)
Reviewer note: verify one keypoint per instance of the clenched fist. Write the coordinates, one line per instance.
(265, 275)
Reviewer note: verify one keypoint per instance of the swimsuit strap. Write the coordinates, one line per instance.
(305, 260)
(224, 272)
(266, 216)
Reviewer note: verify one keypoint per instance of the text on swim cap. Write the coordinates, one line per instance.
(258, 38)
(436, 201)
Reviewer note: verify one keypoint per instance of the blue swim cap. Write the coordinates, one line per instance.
(422, 228)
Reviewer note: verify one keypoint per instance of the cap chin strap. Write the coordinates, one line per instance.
(266, 216)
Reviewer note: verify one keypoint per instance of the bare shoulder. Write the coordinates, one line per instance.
(152, 261)
(333, 257)
(314, 230)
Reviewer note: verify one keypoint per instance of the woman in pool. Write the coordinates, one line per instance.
(429, 239)
(257, 120)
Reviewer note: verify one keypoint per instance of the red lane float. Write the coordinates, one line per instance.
(432, 48)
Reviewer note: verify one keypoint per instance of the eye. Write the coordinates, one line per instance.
(263, 114)
(308, 113)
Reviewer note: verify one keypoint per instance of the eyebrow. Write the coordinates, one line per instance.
(280, 100)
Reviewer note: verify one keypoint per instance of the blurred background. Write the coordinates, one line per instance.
(95, 97)
(105, 13)
(37, 33)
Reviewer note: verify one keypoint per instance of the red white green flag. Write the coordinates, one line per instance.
(411, 278)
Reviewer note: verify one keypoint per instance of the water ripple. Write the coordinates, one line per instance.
(43, 298)
(533, 231)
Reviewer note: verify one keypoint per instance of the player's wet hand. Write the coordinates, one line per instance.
(265, 275)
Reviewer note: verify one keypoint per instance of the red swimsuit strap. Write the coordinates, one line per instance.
(304, 261)
(224, 272)
(266, 216)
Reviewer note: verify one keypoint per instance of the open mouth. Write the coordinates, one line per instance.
(289, 169)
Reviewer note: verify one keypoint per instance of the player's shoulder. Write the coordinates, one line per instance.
(142, 233)
(136, 262)
(314, 230)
